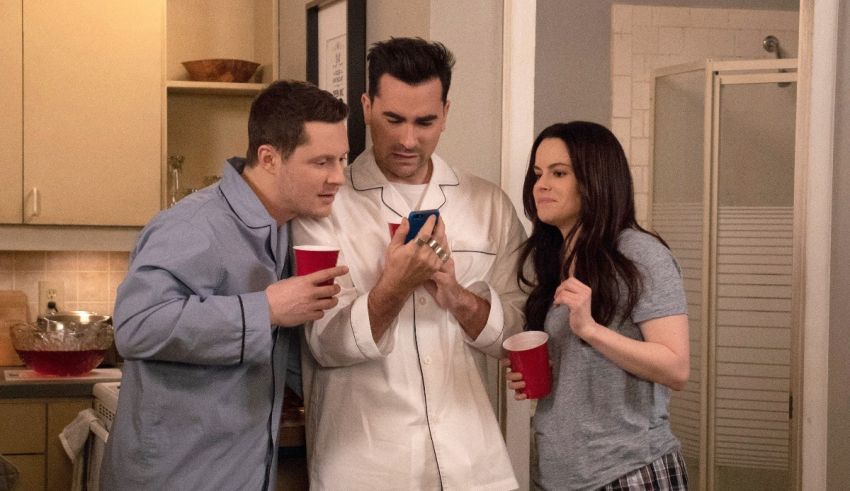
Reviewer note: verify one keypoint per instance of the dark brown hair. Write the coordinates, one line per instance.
(411, 60)
(279, 112)
(607, 208)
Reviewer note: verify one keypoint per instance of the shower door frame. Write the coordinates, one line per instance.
(706, 237)
(717, 74)
(741, 73)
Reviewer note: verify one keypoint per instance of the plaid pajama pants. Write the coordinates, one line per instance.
(667, 473)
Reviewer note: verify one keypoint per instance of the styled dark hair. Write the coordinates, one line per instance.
(607, 208)
(279, 112)
(411, 60)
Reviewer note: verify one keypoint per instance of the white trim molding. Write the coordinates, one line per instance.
(818, 30)
(518, 47)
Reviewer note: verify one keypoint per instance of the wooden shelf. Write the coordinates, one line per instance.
(213, 88)
(207, 122)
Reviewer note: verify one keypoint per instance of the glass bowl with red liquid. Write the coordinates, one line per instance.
(64, 343)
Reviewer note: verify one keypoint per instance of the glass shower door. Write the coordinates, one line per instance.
(723, 199)
(679, 213)
(751, 281)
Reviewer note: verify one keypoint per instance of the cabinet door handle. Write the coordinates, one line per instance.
(36, 208)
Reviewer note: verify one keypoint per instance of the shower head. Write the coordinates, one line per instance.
(771, 45)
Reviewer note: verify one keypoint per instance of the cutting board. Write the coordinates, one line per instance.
(13, 308)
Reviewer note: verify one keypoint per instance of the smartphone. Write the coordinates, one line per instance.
(417, 218)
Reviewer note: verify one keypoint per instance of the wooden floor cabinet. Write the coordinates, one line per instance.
(29, 438)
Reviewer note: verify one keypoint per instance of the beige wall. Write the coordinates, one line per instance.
(388, 18)
(473, 31)
(293, 39)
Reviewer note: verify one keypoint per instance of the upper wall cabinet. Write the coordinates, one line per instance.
(11, 112)
(91, 111)
(95, 99)
(207, 122)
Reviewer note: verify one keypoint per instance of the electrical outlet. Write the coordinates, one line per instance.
(50, 291)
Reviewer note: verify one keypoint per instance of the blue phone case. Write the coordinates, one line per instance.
(417, 218)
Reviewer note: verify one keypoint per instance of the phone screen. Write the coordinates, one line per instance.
(417, 219)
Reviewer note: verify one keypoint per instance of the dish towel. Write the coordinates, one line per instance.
(8, 475)
(73, 438)
(96, 444)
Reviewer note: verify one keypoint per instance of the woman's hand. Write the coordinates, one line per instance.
(661, 357)
(515, 381)
(577, 296)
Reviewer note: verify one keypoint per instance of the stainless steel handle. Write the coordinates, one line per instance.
(36, 207)
(175, 167)
(175, 185)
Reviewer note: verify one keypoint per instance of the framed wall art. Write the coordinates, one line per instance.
(336, 58)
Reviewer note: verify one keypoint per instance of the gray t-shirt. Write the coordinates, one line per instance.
(600, 422)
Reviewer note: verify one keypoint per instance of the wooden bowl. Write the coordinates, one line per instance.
(221, 70)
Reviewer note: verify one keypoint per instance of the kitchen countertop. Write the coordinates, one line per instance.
(51, 386)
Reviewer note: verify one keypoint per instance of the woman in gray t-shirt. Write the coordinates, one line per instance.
(610, 295)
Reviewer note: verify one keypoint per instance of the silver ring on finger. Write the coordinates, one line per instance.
(443, 255)
(438, 250)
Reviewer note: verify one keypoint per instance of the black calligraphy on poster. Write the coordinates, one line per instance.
(337, 79)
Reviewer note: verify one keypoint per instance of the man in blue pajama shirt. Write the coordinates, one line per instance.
(203, 316)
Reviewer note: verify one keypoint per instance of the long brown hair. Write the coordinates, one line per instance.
(607, 208)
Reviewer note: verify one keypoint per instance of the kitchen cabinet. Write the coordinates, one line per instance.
(95, 99)
(207, 122)
(30, 471)
(22, 428)
(11, 117)
(29, 438)
(59, 468)
(82, 112)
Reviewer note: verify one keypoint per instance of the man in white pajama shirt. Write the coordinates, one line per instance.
(396, 397)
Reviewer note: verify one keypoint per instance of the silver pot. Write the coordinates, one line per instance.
(73, 320)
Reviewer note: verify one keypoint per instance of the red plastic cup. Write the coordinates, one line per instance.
(393, 228)
(312, 258)
(529, 355)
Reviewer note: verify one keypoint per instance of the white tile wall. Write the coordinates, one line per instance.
(621, 19)
(647, 37)
(621, 127)
(641, 15)
(670, 16)
(709, 18)
(621, 59)
(671, 40)
(622, 101)
(640, 123)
